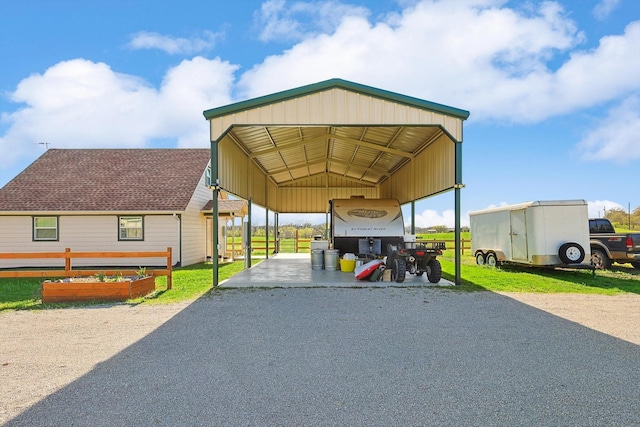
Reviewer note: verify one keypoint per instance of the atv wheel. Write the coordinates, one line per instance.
(434, 272)
(398, 270)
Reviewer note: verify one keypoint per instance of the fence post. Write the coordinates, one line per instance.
(296, 243)
(67, 262)
(169, 266)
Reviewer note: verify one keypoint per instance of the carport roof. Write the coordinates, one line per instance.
(330, 84)
(335, 133)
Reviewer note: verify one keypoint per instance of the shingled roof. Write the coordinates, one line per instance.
(107, 180)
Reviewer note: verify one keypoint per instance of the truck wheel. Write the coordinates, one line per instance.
(599, 259)
(434, 274)
(571, 253)
(491, 260)
(480, 258)
(399, 270)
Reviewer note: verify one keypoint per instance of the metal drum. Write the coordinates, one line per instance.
(331, 259)
(317, 259)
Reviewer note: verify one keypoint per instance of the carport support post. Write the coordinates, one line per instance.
(276, 234)
(413, 217)
(457, 187)
(214, 220)
(266, 234)
(247, 257)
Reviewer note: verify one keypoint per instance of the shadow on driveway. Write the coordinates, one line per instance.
(366, 357)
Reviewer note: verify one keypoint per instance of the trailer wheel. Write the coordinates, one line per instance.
(420, 273)
(571, 253)
(480, 258)
(398, 270)
(599, 259)
(434, 273)
(491, 259)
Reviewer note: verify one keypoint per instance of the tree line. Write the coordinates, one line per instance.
(623, 219)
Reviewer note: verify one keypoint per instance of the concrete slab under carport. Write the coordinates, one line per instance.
(294, 271)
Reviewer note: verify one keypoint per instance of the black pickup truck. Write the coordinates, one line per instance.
(607, 246)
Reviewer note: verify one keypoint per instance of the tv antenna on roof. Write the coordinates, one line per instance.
(46, 145)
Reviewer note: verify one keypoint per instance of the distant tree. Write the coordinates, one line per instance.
(618, 215)
(635, 219)
(620, 218)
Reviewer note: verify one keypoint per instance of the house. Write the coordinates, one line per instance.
(110, 200)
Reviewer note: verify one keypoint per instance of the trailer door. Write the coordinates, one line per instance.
(518, 234)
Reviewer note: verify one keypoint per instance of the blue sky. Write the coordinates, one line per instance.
(553, 87)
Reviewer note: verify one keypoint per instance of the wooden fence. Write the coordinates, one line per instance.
(463, 242)
(303, 245)
(68, 271)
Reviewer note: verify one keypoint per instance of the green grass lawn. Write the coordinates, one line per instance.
(193, 281)
(515, 278)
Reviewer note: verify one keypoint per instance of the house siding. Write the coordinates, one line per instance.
(89, 233)
(194, 231)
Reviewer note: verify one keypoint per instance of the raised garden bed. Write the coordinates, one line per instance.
(92, 288)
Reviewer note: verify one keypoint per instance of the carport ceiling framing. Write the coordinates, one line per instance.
(366, 155)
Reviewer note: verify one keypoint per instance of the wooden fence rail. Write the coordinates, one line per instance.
(68, 271)
(462, 243)
(303, 245)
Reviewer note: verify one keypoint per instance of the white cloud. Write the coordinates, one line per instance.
(83, 104)
(495, 61)
(173, 45)
(616, 136)
(603, 9)
(279, 21)
(597, 208)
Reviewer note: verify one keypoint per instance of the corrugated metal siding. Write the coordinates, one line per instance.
(312, 196)
(336, 107)
(430, 172)
(232, 168)
(258, 185)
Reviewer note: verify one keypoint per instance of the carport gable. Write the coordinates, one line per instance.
(295, 150)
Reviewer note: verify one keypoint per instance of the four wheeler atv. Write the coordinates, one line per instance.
(415, 258)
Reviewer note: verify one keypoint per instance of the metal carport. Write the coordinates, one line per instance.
(293, 151)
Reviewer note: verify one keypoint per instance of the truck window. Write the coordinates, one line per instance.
(600, 226)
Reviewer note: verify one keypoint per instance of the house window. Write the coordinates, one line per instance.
(131, 228)
(45, 228)
(207, 179)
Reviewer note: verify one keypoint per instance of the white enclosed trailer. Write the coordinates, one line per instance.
(540, 233)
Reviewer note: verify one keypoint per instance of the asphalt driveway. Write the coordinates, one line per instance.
(356, 357)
